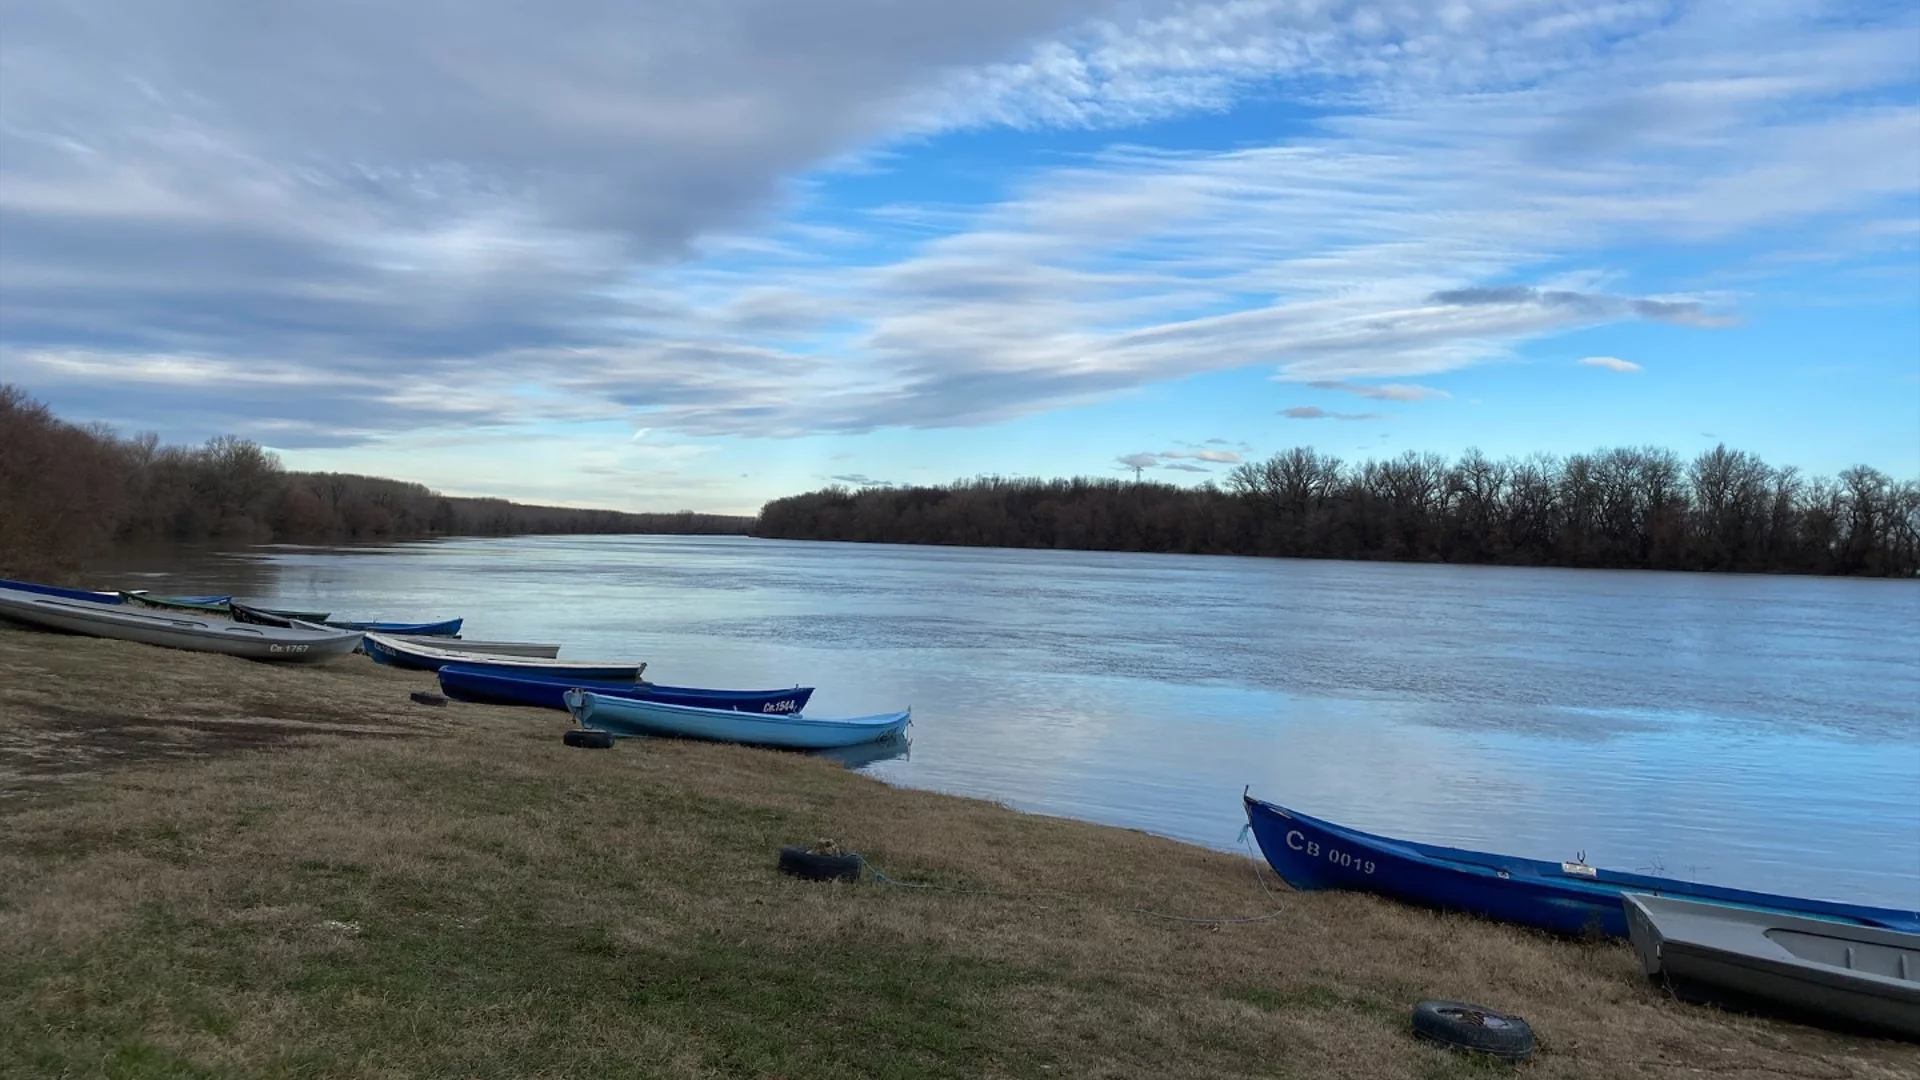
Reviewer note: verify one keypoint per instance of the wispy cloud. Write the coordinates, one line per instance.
(1611, 363)
(860, 480)
(1384, 392)
(1315, 412)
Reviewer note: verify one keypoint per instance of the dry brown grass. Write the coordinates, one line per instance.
(475, 899)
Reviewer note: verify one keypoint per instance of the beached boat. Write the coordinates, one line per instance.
(247, 613)
(627, 716)
(1856, 974)
(1564, 897)
(532, 688)
(214, 605)
(176, 630)
(89, 595)
(422, 657)
(489, 649)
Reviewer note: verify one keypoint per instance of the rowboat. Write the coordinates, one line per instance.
(413, 654)
(488, 649)
(176, 630)
(88, 595)
(1563, 897)
(247, 613)
(529, 688)
(214, 605)
(1859, 975)
(626, 716)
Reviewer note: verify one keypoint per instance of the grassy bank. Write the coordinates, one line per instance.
(215, 868)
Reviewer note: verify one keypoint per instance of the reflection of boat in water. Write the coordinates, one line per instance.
(865, 754)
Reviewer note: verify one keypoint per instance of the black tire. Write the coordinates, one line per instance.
(1460, 1026)
(591, 738)
(802, 863)
(427, 698)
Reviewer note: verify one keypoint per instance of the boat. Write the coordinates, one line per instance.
(532, 688)
(1859, 975)
(787, 731)
(485, 648)
(1562, 897)
(176, 630)
(423, 657)
(449, 628)
(247, 613)
(89, 595)
(215, 605)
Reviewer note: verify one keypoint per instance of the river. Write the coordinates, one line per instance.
(1761, 732)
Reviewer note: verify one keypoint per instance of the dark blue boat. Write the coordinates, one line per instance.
(449, 628)
(63, 593)
(1566, 898)
(472, 683)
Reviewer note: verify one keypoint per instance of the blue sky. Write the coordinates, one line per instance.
(653, 256)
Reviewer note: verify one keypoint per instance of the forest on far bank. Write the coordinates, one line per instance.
(1625, 508)
(67, 491)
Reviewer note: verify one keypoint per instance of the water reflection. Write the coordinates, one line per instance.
(1761, 732)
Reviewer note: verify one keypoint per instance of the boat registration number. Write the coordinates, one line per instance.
(783, 705)
(1345, 859)
(286, 648)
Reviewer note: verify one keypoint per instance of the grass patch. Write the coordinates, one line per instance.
(382, 891)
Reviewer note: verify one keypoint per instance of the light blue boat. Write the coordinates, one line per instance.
(795, 731)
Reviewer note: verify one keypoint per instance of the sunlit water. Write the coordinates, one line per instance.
(1755, 731)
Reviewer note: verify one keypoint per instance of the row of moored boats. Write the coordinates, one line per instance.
(610, 696)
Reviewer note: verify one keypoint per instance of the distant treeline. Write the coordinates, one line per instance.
(67, 491)
(1624, 508)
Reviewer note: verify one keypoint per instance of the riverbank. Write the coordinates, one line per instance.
(211, 867)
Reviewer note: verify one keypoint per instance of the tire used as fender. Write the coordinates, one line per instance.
(801, 863)
(591, 738)
(1460, 1026)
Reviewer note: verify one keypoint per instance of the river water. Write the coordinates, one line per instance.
(1761, 732)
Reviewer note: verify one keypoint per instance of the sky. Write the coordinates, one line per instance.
(652, 255)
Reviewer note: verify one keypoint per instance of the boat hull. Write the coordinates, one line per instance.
(89, 595)
(1564, 898)
(420, 657)
(525, 649)
(173, 630)
(626, 716)
(1860, 976)
(516, 688)
(449, 628)
(219, 605)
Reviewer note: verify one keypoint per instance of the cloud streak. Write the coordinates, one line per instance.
(1611, 363)
(1315, 412)
(1385, 392)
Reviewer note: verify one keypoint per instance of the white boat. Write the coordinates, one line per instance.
(481, 648)
(790, 731)
(176, 630)
(423, 657)
(1862, 975)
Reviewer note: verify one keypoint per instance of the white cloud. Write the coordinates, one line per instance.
(1611, 363)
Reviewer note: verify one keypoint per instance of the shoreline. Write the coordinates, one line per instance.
(210, 864)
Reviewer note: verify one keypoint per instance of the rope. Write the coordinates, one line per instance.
(1279, 908)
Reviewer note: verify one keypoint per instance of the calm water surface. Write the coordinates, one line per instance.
(1758, 732)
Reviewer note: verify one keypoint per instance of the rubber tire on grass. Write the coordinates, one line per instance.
(1460, 1026)
(802, 863)
(591, 738)
(424, 697)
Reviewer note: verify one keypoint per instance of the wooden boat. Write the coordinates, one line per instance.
(88, 595)
(413, 654)
(531, 688)
(488, 649)
(247, 613)
(176, 630)
(215, 605)
(1859, 975)
(1566, 898)
(627, 716)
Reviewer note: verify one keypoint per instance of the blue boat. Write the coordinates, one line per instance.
(63, 593)
(397, 652)
(1566, 898)
(469, 683)
(449, 628)
(626, 716)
